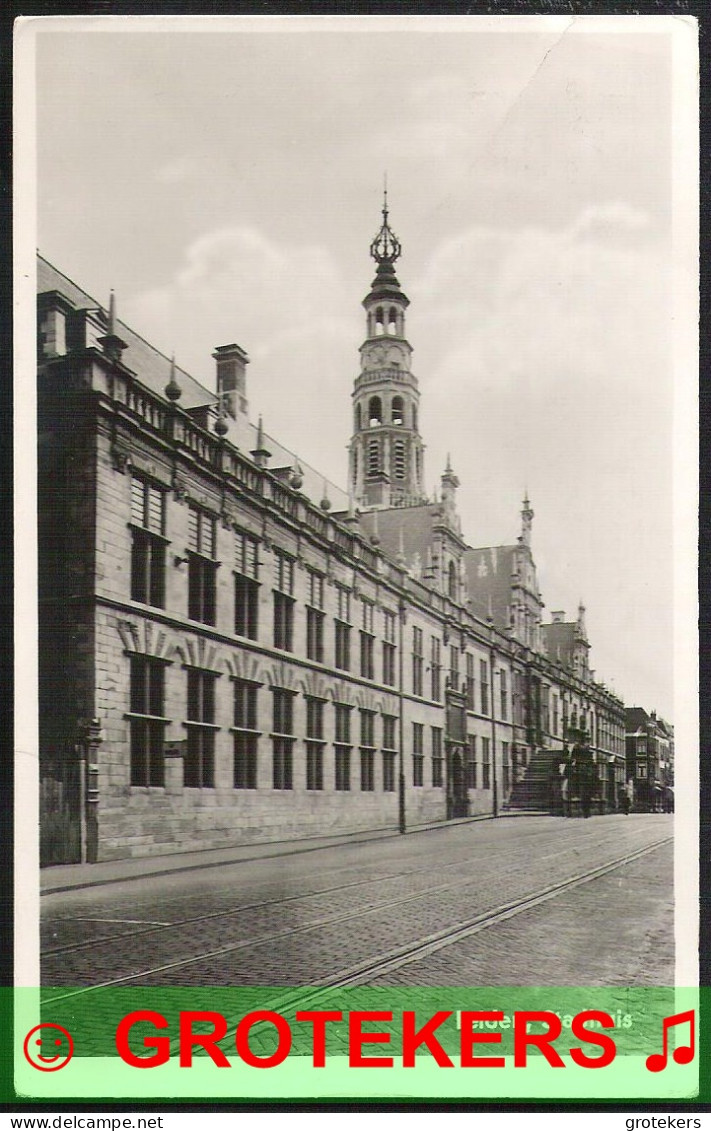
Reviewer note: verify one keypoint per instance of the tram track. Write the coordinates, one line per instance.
(361, 973)
(365, 972)
(153, 928)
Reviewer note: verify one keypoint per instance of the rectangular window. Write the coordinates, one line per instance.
(199, 763)
(202, 570)
(388, 664)
(316, 583)
(314, 743)
(388, 771)
(283, 621)
(368, 614)
(367, 728)
(343, 768)
(505, 696)
(314, 765)
(454, 666)
(148, 544)
(246, 586)
(343, 723)
(283, 601)
(283, 712)
(437, 778)
(245, 705)
(246, 557)
(246, 606)
(471, 762)
(555, 715)
(147, 731)
(486, 763)
(147, 506)
(315, 618)
(417, 661)
(388, 648)
(282, 763)
(505, 767)
(389, 724)
(367, 771)
(343, 604)
(471, 703)
(245, 761)
(314, 635)
(435, 668)
(484, 687)
(367, 669)
(282, 738)
(202, 589)
(201, 532)
(283, 573)
(342, 747)
(418, 754)
(343, 646)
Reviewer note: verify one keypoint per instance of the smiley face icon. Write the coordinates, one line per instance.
(48, 1047)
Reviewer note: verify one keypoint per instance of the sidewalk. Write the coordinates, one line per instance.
(67, 877)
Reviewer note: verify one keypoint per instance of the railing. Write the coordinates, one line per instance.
(374, 376)
(146, 406)
(285, 500)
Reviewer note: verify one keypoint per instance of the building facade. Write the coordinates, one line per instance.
(649, 744)
(232, 650)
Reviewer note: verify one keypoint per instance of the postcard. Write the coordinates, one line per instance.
(357, 748)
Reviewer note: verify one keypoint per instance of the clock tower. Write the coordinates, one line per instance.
(386, 451)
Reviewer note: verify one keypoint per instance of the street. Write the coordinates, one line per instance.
(520, 901)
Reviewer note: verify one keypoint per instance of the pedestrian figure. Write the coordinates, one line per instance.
(626, 803)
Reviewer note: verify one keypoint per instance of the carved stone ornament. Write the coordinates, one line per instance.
(120, 458)
(180, 490)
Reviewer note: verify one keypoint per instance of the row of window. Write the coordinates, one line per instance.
(148, 586)
(147, 726)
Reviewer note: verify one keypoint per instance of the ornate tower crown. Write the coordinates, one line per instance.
(385, 248)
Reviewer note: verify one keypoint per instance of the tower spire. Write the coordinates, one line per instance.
(526, 521)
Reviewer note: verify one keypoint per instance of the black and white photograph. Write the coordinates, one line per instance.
(365, 497)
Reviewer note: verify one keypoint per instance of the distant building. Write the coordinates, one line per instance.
(649, 744)
(232, 649)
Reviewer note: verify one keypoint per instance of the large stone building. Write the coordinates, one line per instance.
(232, 649)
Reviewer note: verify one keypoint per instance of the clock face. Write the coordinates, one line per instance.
(379, 355)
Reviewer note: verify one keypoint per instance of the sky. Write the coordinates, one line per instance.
(227, 184)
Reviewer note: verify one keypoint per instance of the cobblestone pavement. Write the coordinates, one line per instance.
(296, 920)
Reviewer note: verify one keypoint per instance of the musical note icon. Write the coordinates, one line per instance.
(684, 1054)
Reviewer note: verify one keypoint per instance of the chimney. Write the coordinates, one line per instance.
(232, 364)
(558, 617)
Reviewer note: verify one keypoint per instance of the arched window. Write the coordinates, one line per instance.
(373, 457)
(379, 321)
(392, 320)
(399, 459)
(357, 418)
(375, 411)
(452, 581)
(398, 411)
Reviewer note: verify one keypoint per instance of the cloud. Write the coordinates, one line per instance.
(284, 304)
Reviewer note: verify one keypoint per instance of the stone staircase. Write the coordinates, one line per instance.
(532, 791)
